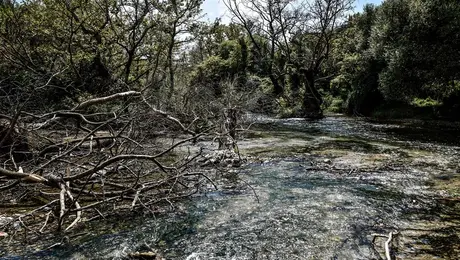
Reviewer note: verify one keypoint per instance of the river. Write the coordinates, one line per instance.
(326, 189)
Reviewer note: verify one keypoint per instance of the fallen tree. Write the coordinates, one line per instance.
(84, 166)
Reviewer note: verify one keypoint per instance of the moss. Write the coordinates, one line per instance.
(450, 183)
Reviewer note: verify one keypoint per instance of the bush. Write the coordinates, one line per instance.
(425, 102)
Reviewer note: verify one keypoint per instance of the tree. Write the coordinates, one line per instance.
(75, 109)
(357, 77)
(267, 24)
(298, 36)
(178, 17)
(419, 43)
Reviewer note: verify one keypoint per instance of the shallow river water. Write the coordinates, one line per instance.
(326, 189)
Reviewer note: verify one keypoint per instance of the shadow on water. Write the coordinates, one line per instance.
(437, 231)
(447, 136)
(134, 234)
(439, 132)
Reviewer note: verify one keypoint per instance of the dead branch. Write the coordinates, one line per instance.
(387, 242)
(8, 186)
(62, 203)
(46, 221)
(102, 100)
(71, 149)
(77, 206)
(102, 179)
(29, 177)
(387, 246)
(170, 118)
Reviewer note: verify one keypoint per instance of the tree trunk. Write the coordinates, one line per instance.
(128, 65)
(312, 99)
(229, 132)
(171, 63)
(277, 88)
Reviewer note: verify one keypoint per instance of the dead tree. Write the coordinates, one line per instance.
(83, 171)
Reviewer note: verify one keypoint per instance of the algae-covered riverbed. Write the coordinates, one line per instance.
(312, 190)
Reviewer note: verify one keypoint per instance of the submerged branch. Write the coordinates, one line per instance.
(387, 246)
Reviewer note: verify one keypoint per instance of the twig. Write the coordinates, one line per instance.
(136, 197)
(5, 187)
(62, 204)
(46, 221)
(71, 149)
(205, 176)
(77, 206)
(94, 204)
(387, 242)
(40, 208)
(131, 157)
(253, 190)
(169, 117)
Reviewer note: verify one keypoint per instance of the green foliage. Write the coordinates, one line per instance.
(404, 51)
(228, 64)
(425, 102)
(333, 104)
(211, 71)
(288, 109)
(357, 68)
(418, 41)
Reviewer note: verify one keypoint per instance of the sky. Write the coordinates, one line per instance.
(216, 8)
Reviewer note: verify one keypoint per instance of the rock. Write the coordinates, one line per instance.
(17, 225)
(223, 158)
(236, 163)
(327, 161)
(3, 234)
(228, 161)
(214, 160)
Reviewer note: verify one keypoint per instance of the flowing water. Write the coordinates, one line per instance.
(326, 189)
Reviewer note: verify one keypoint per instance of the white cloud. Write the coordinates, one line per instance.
(215, 9)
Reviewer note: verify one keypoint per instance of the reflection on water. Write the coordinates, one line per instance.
(326, 199)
